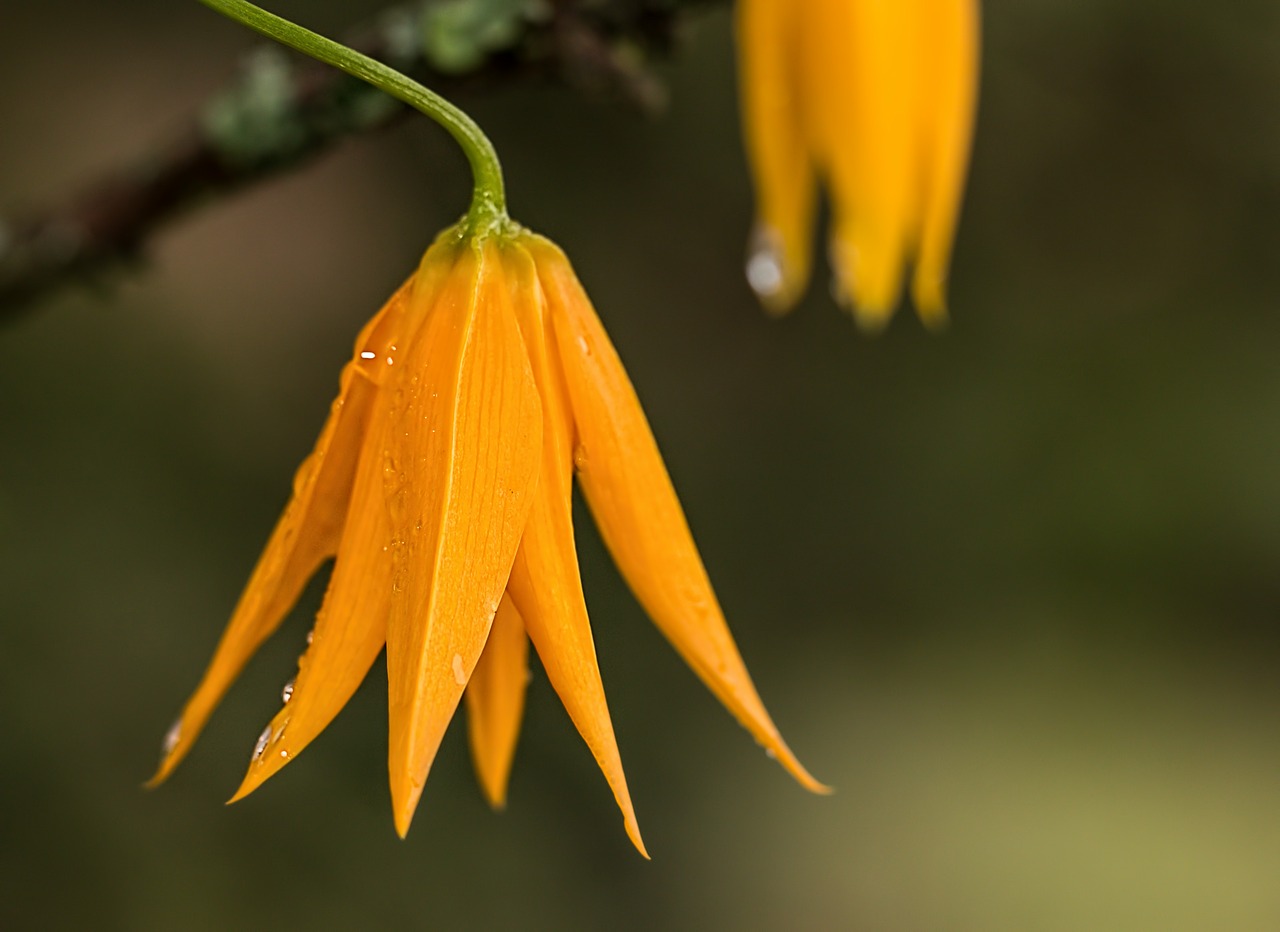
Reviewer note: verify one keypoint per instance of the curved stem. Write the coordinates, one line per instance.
(488, 199)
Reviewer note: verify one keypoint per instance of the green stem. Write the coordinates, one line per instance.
(489, 198)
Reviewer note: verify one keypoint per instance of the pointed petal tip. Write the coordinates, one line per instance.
(161, 774)
(404, 802)
(254, 778)
(633, 832)
(177, 742)
(403, 821)
(817, 788)
(872, 319)
(778, 306)
(782, 754)
(258, 773)
(931, 303)
(496, 797)
(935, 320)
(776, 749)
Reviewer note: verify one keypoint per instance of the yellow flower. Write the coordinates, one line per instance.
(442, 484)
(875, 99)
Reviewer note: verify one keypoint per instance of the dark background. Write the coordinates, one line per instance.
(1013, 590)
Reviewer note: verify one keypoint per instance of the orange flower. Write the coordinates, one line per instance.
(876, 99)
(442, 484)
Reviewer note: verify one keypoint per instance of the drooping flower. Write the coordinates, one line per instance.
(442, 485)
(875, 99)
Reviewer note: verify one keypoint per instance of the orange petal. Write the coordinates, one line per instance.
(544, 580)
(466, 430)
(306, 535)
(495, 701)
(769, 60)
(349, 631)
(640, 519)
(950, 42)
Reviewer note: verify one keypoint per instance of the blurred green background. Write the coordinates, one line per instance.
(1012, 590)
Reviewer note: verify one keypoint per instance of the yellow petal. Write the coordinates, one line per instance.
(495, 701)
(306, 535)
(950, 54)
(769, 61)
(465, 416)
(349, 631)
(640, 519)
(863, 75)
(544, 580)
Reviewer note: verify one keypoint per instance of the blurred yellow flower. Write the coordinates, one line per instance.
(875, 99)
(442, 484)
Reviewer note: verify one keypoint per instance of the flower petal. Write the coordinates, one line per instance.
(306, 535)
(635, 506)
(769, 60)
(466, 413)
(495, 701)
(350, 629)
(544, 580)
(863, 76)
(950, 55)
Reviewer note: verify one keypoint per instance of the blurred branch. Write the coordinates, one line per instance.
(282, 112)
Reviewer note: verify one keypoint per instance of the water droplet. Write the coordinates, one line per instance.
(368, 354)
(771, 753)
(579, 457)
(172, 737)
(459, 671)
(584, 346)
(287, 693)
(263, 740)
(284, 754)
(764, 265)
(311, 636)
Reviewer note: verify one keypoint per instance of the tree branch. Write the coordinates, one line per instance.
(282, 112)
